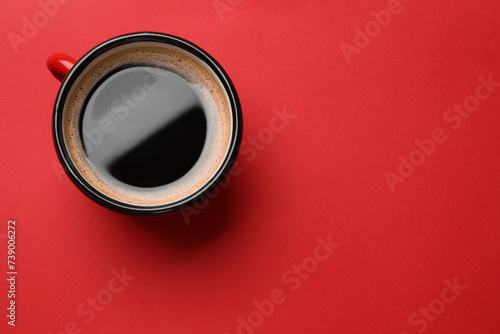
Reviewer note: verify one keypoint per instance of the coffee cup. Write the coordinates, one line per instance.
(145, 123)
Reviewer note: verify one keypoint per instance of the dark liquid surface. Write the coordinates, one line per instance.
(143, 126)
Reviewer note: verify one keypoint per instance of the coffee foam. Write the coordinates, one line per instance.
(201, 79)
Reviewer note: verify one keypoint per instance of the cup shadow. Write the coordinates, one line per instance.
(198, 226)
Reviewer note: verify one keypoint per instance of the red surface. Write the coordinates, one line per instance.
(321, 175)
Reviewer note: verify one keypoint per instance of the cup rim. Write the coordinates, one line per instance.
(105, 200)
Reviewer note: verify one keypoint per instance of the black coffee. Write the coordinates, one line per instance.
(147, 124)
(143, 126)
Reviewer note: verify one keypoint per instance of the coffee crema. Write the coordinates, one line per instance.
(147, 123)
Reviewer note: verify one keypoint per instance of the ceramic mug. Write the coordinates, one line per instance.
(145, 123)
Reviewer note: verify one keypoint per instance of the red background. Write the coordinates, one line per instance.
(322, 175)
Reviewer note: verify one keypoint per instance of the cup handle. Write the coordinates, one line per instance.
(59, 64)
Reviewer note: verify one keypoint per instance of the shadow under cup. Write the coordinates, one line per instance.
(147, 123)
